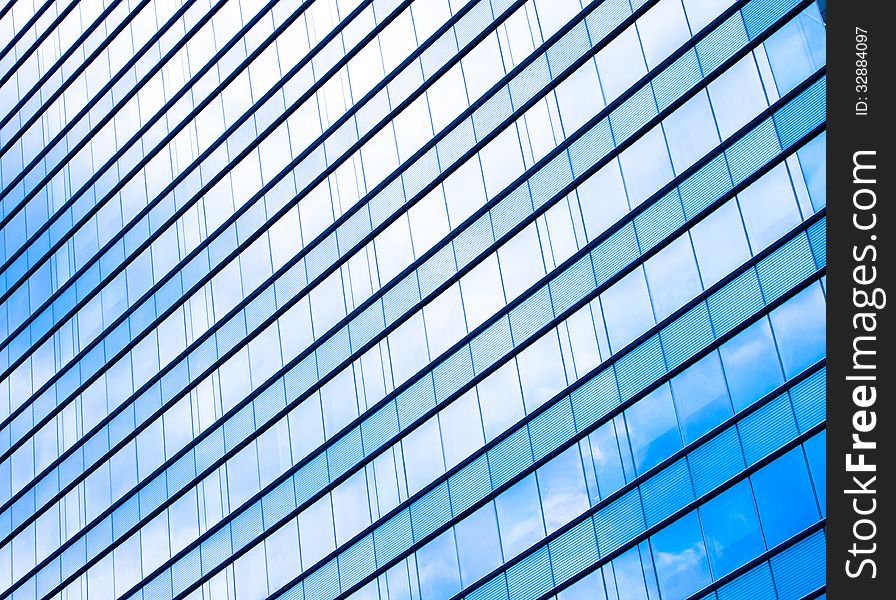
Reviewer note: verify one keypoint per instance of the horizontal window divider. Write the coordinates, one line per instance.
(752, 564)
(606, 235)
(38, 41)
(169, 136)
(87, 32)
(4, 10)
(645, 535)
(818, 593)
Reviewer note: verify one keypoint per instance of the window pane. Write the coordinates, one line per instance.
(732, 529)
(627, 309)
(562, 486)
(691, 131)
(519, 517)
(603, 200)
(751, 364)
(501, 400)
(769, 208)
(737, 96)
(653, 429)
(541, 371)
(720, 243)
(461, 428)
(437, 568)
(797, 49)
(422, 450)
(646, 166)
(799, 326)
(478, 544)
(663, 28)
(784, 497)
(701, 397)
(812, 158)
(672, 277)
(816, 455)
(606, 458)
(680, 558)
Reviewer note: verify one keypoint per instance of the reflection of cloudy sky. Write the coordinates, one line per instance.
(680, 558)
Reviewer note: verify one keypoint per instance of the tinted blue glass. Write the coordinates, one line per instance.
(816, 456)
(751, 364)
(732, 531)
(519, 516)
(339, 297)
(561, 484)
(680, 557)
(478, 544)
(799, 327)
(784, 497)
(437, 566)
(591, 587)
(653, 429)
(701, 397)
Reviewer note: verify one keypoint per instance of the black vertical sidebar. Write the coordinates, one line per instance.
(861, 434)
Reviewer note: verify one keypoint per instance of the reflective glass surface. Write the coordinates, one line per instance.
(412, 299)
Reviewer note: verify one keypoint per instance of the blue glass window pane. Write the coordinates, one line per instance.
(784, 497)
(751, 364)
(603, 199)
(478, 544)
(769, 208)
(422, 451)
(720, 243)
(813, 158)
(628, 576)
(662, 29)
(797, 49)
(672, 277)
(680, 558)
(620, 64)
(500, 399)
(541, 371)
(351, 511)
(737, 96)
(799, 326)
(437, 568)
(731, 527)
(646, 166)
(606, 458)
(519, 517)
(691, 131)
(653, 429)
(627, 309)
(816, 455)
(561, 483)
(701, 397)
(461, 428)
(702, 12)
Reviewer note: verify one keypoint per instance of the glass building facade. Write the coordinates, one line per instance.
(412, 299)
